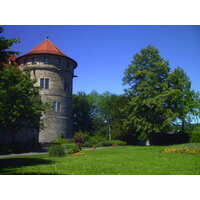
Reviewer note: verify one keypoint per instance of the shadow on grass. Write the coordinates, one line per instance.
(8, 165)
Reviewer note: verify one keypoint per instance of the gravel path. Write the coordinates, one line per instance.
(38, 153)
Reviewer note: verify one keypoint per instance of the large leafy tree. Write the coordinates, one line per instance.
(157, 98)
(20, 102)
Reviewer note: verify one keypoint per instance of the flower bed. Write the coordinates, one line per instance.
(185, 148)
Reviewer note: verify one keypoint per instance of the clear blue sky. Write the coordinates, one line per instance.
(104, 52)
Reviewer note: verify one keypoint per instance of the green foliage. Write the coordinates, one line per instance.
(20, 102)
(70, 148)
(60, 141)
(82, 134)
(157, 97)
(5, 46)
(82, 110)
(118, 142)
(56, 151)
(185, 101)
(168, 139)
(195, 134)
(100, 114)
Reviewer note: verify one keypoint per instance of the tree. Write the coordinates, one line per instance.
(5, 45)
(151, 107)
(186, 101)
(82, 109)
(20, 102)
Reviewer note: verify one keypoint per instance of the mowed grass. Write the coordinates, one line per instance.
(127, 160)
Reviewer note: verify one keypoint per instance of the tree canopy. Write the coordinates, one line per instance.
(157, 96)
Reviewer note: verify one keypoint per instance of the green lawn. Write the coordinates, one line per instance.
(120, 160)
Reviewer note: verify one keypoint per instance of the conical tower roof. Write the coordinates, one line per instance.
(46, 47)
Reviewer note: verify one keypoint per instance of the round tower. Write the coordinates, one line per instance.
(54, 72)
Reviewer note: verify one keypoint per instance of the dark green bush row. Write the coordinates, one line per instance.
(118, 142)
(100, 141)
(195, 137)
(168, 139)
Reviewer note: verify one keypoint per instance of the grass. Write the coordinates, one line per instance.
(127, 160)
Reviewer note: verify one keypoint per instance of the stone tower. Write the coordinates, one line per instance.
(54, 72)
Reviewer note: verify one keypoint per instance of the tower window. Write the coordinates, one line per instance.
(44, 83)
(46, 60)
(33, 60)
(56, 106)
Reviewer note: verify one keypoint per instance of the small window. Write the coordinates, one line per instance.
(46, 60)
(44, 83)
(33, 60)
(56, 106)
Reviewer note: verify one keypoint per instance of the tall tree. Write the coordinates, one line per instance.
(82, 109)
(147, 77)
(20, 102)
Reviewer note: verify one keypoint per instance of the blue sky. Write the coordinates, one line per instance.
(104, 52)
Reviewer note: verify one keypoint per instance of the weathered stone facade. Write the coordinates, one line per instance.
(54, 73)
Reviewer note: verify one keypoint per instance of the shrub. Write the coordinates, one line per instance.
(118, 142)
(61, 141)
(106, 143)
(168, 139)
(86, 144)
(95, 140)
(195, 137)
(56, 151)
(70, 148)
(85, 135)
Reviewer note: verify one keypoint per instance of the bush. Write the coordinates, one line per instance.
(56, 151)
(195, 137)
(85, 135)
(168, 139)
(61, 141)
(70, 148)
(195, 134)
(118, 142)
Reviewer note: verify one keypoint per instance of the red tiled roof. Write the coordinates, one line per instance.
(46, 47)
